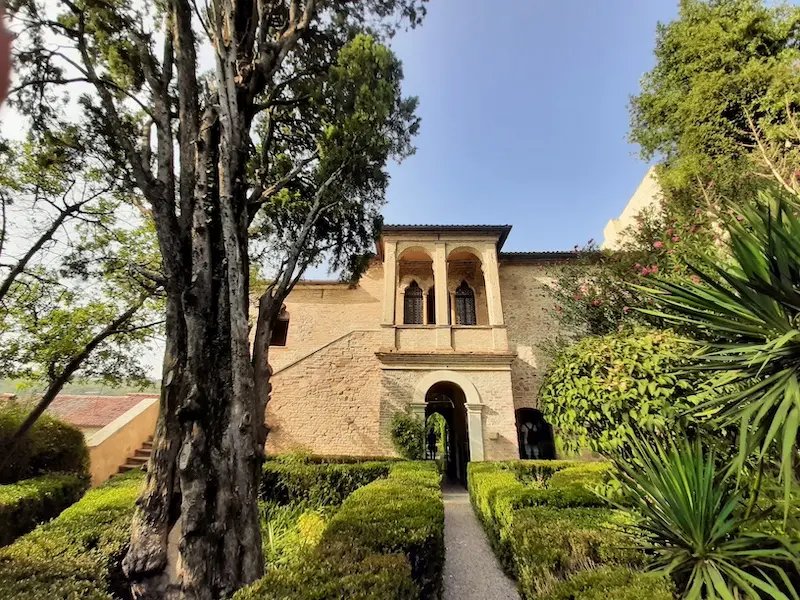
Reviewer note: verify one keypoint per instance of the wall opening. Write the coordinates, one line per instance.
(535, 435)
(448, 400)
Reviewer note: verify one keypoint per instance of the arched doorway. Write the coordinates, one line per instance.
(535, 435)
(448, 400)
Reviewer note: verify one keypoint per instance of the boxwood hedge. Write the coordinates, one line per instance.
(25, 504)
(51, 446)
(385, 543)
(548, 528)
(78, 554)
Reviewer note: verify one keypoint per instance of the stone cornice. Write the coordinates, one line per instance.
(486, 361)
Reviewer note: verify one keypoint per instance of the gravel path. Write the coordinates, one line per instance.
(471, 571)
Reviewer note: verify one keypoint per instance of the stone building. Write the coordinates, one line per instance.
(442, 321)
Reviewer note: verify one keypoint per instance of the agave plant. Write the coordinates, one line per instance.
(749, 309)
(689, 519)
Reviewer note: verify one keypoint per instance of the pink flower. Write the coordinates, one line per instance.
(577, 296)
(740, 218)
(654, 269)
(658, 244)
(596, 302)
(694, 228)
(559, 309)
(669, 231)
(698, 211)
(675, 238)
(626, 309)
(638, 266)
(710, 167)
(795, 213)
(670, 251)
(695, 278)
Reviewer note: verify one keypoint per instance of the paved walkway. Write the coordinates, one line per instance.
(471, 571)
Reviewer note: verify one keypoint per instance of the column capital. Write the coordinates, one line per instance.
(474, 408)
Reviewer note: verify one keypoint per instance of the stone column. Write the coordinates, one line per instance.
(443, 339)
(491, 276)
(389, 281)
(418, 410)
(475, 428)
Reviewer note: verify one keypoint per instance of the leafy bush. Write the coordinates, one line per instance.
(544, 522)
(317, 484)
(51, 446)
(27, 503)
(408, 435)
(386, 542)
(78, 554)
(612, 583)
(597, 392)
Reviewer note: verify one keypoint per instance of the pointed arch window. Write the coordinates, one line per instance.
(412, 304)
(465, 305)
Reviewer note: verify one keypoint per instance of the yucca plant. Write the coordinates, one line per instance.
(749, 311)
(688, 517)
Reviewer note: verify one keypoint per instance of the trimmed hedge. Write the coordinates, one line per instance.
(51, 446)
(610, 583)
(25, 504)
(78, 554)
(547, 526)
(317, 484)
(385, 543)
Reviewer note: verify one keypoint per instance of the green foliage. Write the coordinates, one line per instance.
(51, 446)
(385, 542)
(689, 520)
(716, 64)
(290, 531)
(612, 583)
(408, 435)
(25, 504)
(597, 392)
(316, 484)
(78, 554)
(577, 539)
(544, 522)
(749, 311)
(341, 572)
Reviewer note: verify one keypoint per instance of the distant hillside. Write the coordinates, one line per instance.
(24, 389)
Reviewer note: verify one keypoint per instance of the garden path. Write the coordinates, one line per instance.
(471, 571)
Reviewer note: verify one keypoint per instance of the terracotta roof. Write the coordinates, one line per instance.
(94, 411)
(541, 255)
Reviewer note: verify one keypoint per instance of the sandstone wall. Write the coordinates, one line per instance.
(320, 314)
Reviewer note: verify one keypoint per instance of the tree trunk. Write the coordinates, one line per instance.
(214, 428)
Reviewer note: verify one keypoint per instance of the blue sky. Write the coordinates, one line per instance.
(525, 115)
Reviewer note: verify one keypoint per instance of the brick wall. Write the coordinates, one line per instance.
(530, 320)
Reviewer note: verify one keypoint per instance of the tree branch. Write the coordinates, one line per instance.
(58, 382)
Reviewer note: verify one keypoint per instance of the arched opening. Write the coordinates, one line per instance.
(535, 435)
(448, 400)
(415, 279)
(466, 288)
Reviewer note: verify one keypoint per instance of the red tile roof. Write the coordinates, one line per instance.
(90, 411)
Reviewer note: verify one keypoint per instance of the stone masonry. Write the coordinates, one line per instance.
(350, 363)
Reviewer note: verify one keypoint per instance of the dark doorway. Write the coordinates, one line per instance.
(535, 435)
(448, 400)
